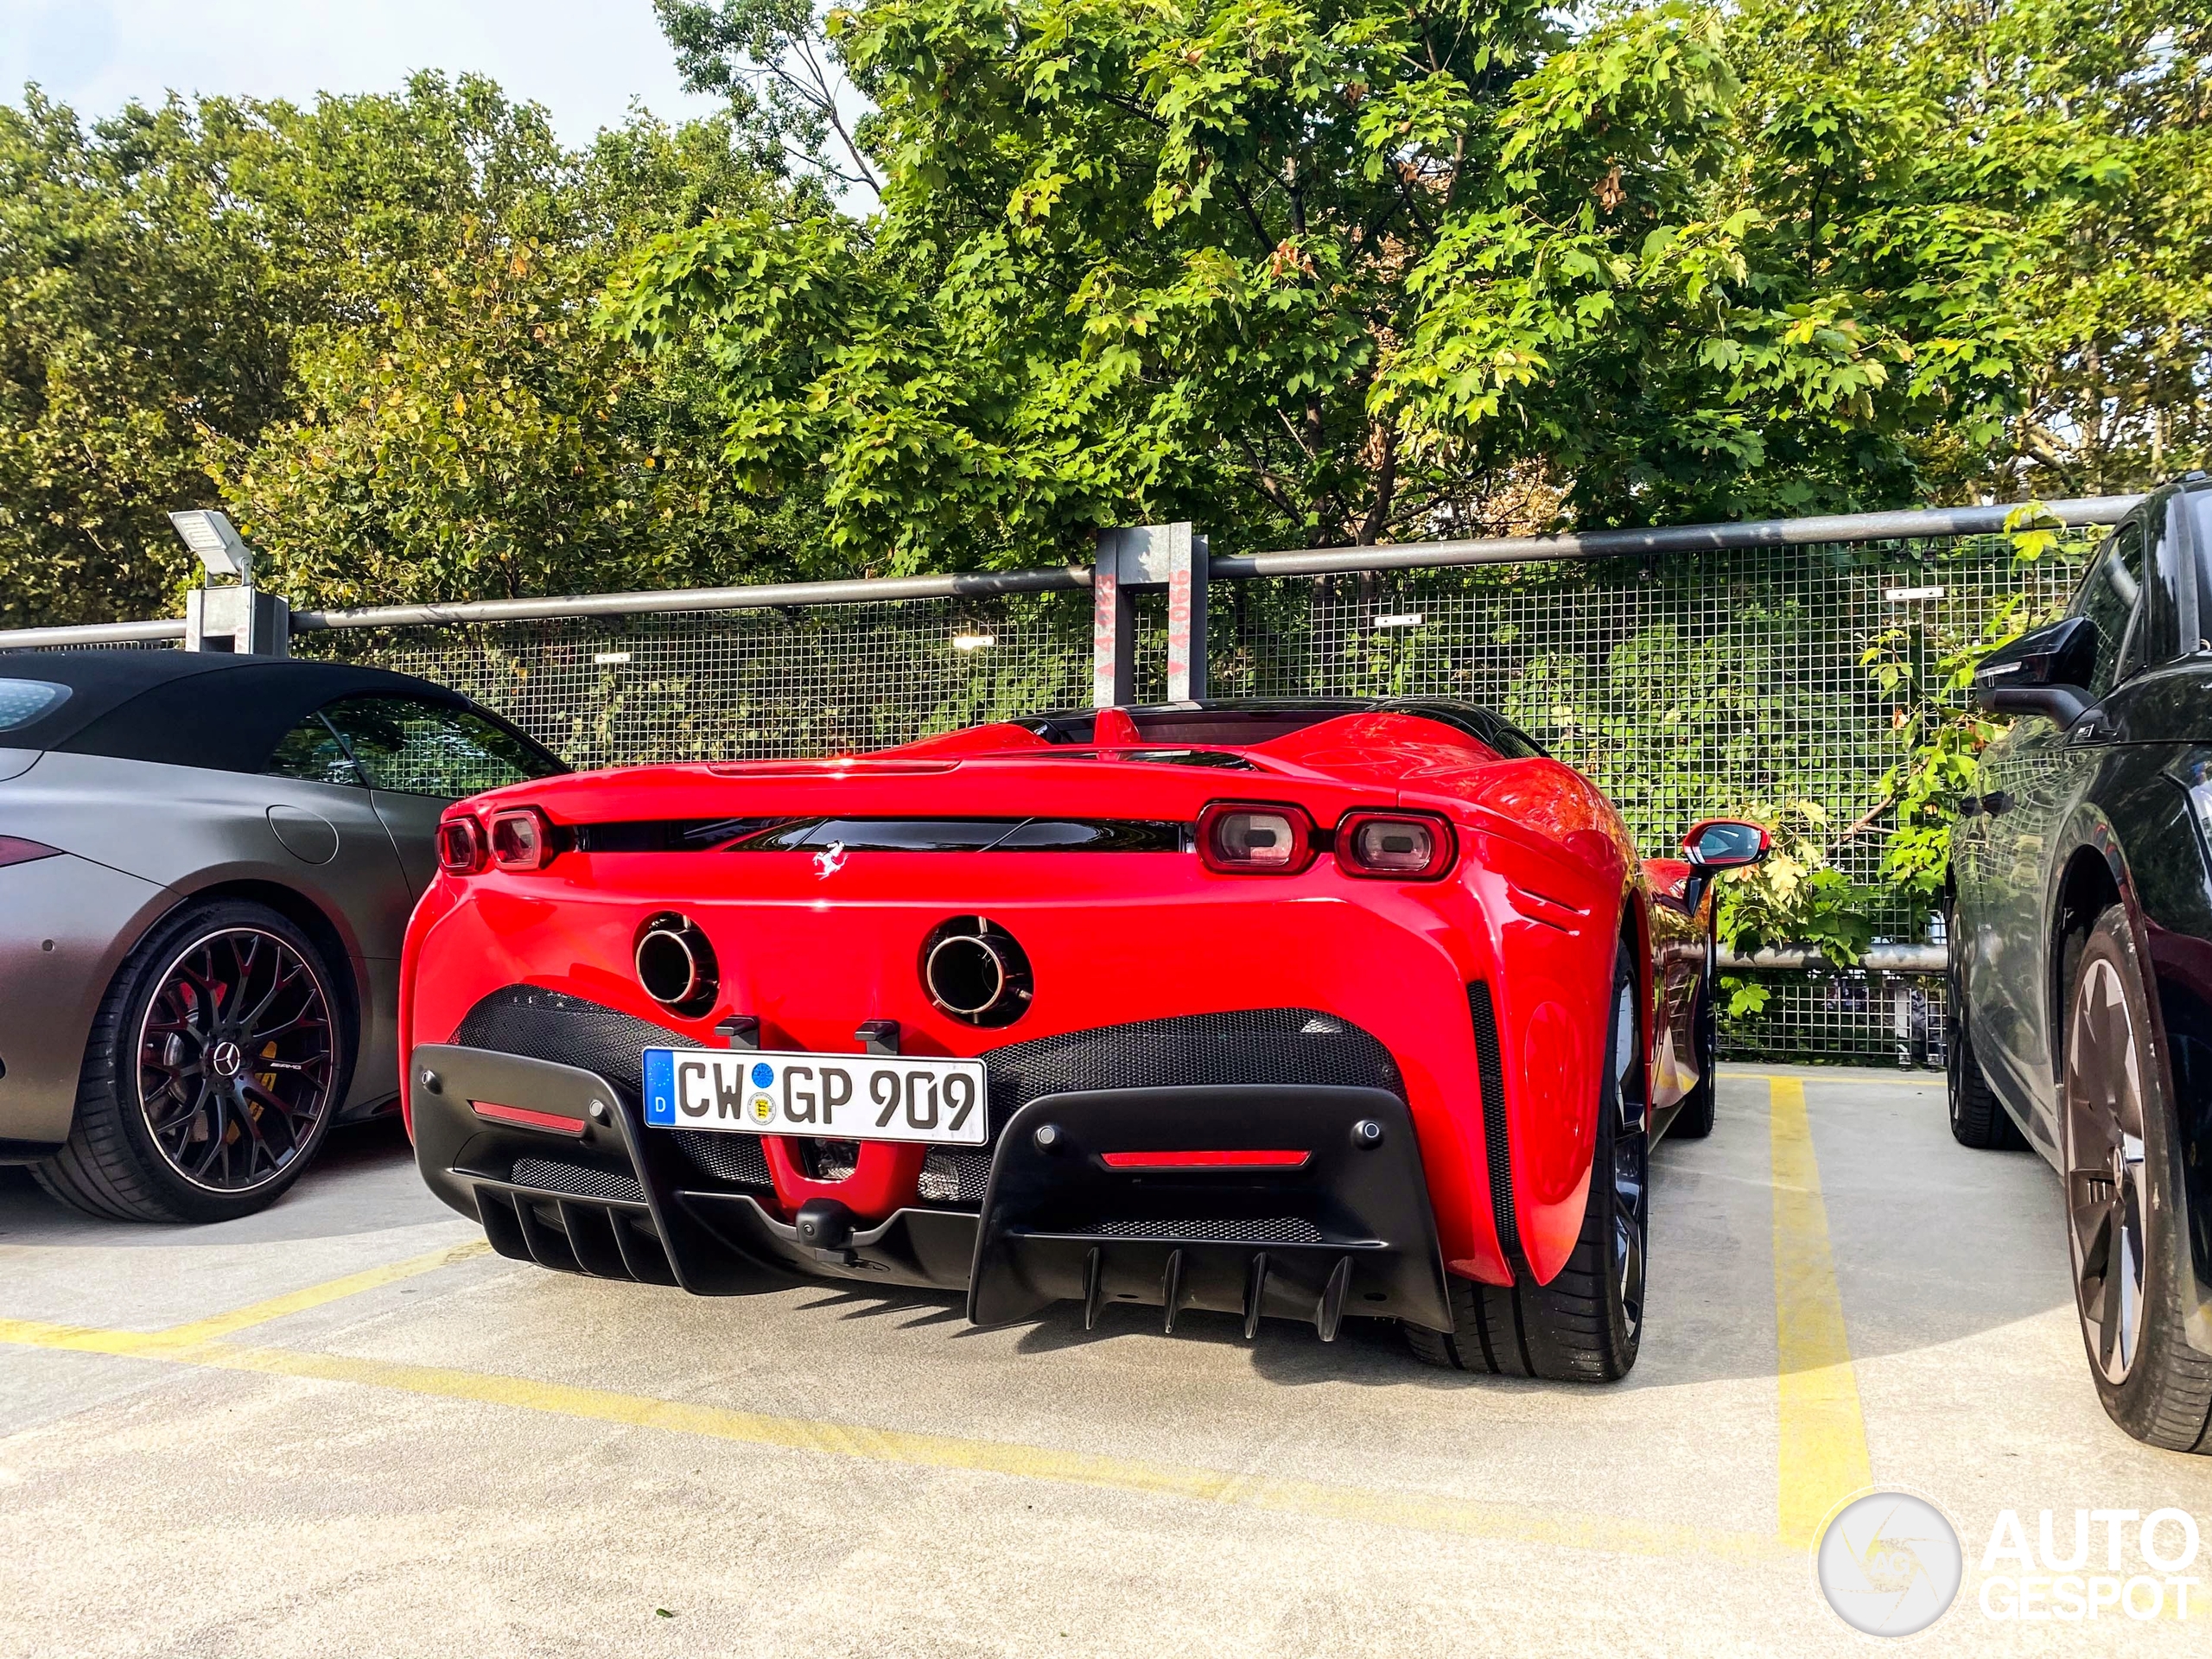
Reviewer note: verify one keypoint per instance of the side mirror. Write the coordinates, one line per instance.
(1714, 844)
(2044, 673)
(1725, 844)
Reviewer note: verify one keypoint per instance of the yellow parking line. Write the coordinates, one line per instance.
(1932, 1080)
(1823, 1437)
(179, 1340)
(298, 1301)
(1316, 1500)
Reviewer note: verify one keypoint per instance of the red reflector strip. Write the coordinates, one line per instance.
(1238, 1159)
(527, 1118)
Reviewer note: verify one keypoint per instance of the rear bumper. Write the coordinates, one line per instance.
(570, 1177)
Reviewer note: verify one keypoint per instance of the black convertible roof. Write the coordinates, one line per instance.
(1238, 722)
(187, 708)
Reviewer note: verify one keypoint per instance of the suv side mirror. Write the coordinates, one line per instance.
(1713, 844)
(2043, 672)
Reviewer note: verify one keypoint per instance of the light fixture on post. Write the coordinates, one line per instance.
(233, 616)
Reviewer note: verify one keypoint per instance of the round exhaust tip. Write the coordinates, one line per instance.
(676, 964)
(976, 971)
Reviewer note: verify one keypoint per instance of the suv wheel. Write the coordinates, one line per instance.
(2121, 1169)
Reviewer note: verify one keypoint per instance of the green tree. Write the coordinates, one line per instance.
(132, 320)
(1339, 271)
(459, 431)
(2023, 189)
(358, 327)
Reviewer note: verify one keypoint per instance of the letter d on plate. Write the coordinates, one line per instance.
(660, 1087)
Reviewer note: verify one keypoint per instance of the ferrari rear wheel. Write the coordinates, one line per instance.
(2117, 1157)
(215, 1064)
(1584, 1325)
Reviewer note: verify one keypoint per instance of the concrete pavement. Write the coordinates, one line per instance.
(341, 1427)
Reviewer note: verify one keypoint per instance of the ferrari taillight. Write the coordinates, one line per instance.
(522, 838)
(1254, 839)
(1403, 846)
(461, 846)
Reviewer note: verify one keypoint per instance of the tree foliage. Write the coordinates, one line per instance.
(363, 329)
(1349, 270)
(131, 321)
(1307, 271)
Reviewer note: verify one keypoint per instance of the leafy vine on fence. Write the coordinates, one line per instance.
(1798, 898)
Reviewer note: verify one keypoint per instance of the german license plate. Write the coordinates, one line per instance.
(838, 1096)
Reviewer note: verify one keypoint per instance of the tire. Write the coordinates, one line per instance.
(218, 1117)
(1978, 1117)
(1585, 1325)
(1700, 1107)
(2121, 1165)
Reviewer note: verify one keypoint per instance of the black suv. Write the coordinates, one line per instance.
(2081, 1005)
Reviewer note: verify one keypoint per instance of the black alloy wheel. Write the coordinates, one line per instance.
(1587, 1324)
(237, 1056)
(217, 1060)
(2118, 1162)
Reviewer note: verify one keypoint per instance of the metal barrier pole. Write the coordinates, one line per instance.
(1173, 556)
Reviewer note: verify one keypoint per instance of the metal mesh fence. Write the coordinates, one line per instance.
(755, 683)
(1685, 686)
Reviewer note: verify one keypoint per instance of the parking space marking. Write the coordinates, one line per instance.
(1822, 1433)
(178, 1340)
(1314, 1500)
(299, 1301)
(1933, 1081)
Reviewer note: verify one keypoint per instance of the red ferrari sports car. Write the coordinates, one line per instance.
(1284, 1009)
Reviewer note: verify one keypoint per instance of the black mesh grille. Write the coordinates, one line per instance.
(1496, 1153)
(734, 1158)
(578, 1180)
(955, 1177)
(1270, 1230)
(1278, 1046)
(542, 1025)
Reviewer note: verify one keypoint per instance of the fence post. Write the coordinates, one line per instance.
(1173, 556)
(242, 619)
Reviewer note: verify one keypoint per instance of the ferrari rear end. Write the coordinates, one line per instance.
(1034, 1012)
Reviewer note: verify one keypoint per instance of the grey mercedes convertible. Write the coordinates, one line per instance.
(206, 864)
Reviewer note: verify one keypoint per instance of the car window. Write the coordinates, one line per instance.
(2111, 596)
(312, 752)
(23, 701)
(2197, 504)
(432, 748)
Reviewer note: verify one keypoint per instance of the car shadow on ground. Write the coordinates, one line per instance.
(1932, 1244)
(1929, 1250)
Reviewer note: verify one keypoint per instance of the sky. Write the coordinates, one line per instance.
(583, 60)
